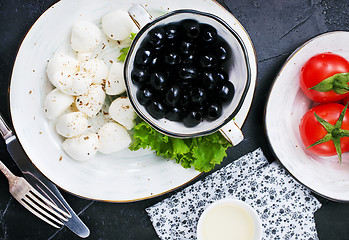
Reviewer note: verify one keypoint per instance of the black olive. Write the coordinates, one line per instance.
(191, 59)
(172, 58)
(173, 95)
(213, 111)
(155, 62)
(188, 73)
(226, 92)
(156, 109)
(209, 80)
(172, 45)
(198, 95)
(184, 101)
(222, 51)
(208, 61)
(192, 118)
(171, 32)
(185, 83)
(198, 107)
(156, 36)
(222, 54)
(144, 94)
(222, 76)
(146, 43)
(208, 34)
(191, 28)
(143, 56)
(168, 73)
(187, 47)
(174, 114)
(160, 48)
(158, 81)
(139, 76)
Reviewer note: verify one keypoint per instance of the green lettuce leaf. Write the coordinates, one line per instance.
(202, 153)
(124, 51)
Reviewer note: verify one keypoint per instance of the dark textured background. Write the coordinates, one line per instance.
(277, 27)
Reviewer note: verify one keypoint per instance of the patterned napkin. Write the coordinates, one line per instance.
(286, 208)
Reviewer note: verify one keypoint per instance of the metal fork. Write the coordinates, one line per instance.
(32, 200)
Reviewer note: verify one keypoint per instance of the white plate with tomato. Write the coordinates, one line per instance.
(292, 128)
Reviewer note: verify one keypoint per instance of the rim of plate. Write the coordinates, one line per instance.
(267, 103)
(46, 12)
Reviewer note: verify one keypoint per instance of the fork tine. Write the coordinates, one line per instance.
(30, 209)
(32, 200)
(38, 195)
(33, 205)
(38, 201)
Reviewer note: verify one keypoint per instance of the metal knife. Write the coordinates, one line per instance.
(39, 181)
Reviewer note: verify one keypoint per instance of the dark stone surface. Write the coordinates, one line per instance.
(276, 27)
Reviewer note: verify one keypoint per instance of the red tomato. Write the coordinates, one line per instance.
(311, 130)
(318, 68)
(345, 100)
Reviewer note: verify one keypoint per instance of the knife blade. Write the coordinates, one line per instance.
(39, 181)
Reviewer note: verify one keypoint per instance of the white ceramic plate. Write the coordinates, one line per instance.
(120, 177)
(286, 106)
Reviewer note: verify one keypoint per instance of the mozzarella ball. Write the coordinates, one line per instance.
(72, 84)
(95, 123)
(71, 109)
(56, 103)
(92, 101)
(117, 25)
(71, 124)
(62, 80)
(112, 138)
(96, 69)
(85, 36)
(122, 112)
(82, 147)
(61, 63)
(115, 83)
(82, 57)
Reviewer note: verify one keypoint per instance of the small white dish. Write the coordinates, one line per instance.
(121, 177)
(286, 106)
(229, 219)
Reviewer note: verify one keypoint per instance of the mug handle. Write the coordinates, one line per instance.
(139, 15)
(232, 133)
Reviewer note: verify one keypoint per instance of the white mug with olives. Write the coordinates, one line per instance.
(187, 73)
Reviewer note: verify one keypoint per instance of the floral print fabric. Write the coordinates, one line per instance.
(286, 208)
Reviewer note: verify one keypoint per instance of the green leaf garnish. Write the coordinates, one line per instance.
(124, 51)
(203, 153)
(123, 54)
(133, 35)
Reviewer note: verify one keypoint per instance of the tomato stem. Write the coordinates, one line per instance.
(334, 132)
(338, 83)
